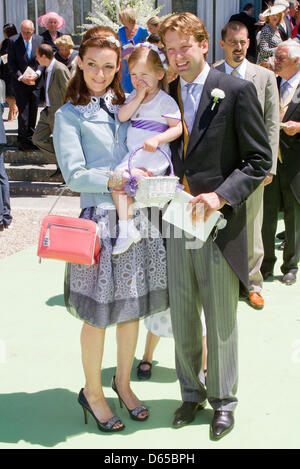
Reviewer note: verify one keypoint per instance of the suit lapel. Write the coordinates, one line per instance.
(34, 46)
(52, 74)
(21, 43)
(205, 114)
(250, 72)
(293, 105)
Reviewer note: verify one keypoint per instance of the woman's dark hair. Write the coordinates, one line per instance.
(77, 92)
(10, 30)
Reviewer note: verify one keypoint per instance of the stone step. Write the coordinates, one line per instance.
(33, 173)
(28, 188)
(35, 157)
(11, 138)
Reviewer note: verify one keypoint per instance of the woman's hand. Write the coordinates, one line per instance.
(151, 144)
(116, 181)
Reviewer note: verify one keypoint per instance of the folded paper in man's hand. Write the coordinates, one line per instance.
(29, 73)
(178, 215)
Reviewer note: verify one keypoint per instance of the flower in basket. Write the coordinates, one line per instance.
(217, 95)
(131, 186)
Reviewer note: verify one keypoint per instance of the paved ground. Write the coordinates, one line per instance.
(41, 372)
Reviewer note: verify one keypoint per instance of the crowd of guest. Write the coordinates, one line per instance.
(260, 58)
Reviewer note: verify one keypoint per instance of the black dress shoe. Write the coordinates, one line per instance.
(144, 374)
(186, 413)
(222, 424)
(56, 173)
(281, 235)
(267, 274)
(289, 278)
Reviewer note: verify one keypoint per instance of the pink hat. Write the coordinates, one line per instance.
(42, 20)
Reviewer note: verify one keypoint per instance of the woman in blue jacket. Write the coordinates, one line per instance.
(89, 142)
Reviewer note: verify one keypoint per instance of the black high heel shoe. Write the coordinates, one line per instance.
(103, 426)
(134, 413)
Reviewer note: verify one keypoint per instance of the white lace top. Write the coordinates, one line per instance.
(94, 105)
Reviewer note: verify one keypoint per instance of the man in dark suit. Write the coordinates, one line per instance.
(21, 54)
(285, 28)
(57, 78)
(285, 187)
(222, 158)
(246, 17)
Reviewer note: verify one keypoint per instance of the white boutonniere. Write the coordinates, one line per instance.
(217, 95)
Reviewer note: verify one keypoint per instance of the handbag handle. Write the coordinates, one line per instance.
(61, 193)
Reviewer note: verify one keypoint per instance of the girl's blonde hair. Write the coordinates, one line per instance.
(152, 60)
(127, 15)
(154, 21)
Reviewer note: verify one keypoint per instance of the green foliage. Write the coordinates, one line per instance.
(106, 12)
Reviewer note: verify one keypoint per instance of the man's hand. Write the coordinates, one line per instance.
(211, 202)
(292, 128)
(28, 81)
(268, 179)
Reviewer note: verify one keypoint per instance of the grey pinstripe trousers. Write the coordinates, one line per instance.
(203, 278)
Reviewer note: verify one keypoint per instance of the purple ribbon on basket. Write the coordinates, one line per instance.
(131, 186)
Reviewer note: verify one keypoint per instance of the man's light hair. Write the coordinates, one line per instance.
(293, 48)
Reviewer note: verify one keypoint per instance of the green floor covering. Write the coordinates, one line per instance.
(41, 373)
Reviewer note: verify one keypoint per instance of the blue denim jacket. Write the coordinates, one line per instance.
(87, 148)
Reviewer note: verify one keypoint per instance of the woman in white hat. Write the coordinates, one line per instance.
(270, 37)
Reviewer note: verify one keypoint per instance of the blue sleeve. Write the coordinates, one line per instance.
(70, 155)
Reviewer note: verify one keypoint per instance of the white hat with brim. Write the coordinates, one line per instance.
(285, 3)
(274, 10)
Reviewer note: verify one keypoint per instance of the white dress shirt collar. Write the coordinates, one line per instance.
(30, 41)
(199, 80)
(49, 72)
(50, 67)
(293, 81)
(241, 69)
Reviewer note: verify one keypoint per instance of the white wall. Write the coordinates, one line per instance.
(166, 7)
(16, 12)
(224, 10)
(65, 9)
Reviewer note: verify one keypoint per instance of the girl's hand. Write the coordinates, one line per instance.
(142, 89)
(151, 144)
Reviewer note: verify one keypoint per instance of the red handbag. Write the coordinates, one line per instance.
(69, 239)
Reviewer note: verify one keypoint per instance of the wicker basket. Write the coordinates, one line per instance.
(151, 191)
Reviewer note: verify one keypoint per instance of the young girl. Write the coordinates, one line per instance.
(155, 121)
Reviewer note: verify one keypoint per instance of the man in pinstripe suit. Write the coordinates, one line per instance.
(223, 156)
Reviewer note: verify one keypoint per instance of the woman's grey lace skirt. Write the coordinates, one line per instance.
(120, 288)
